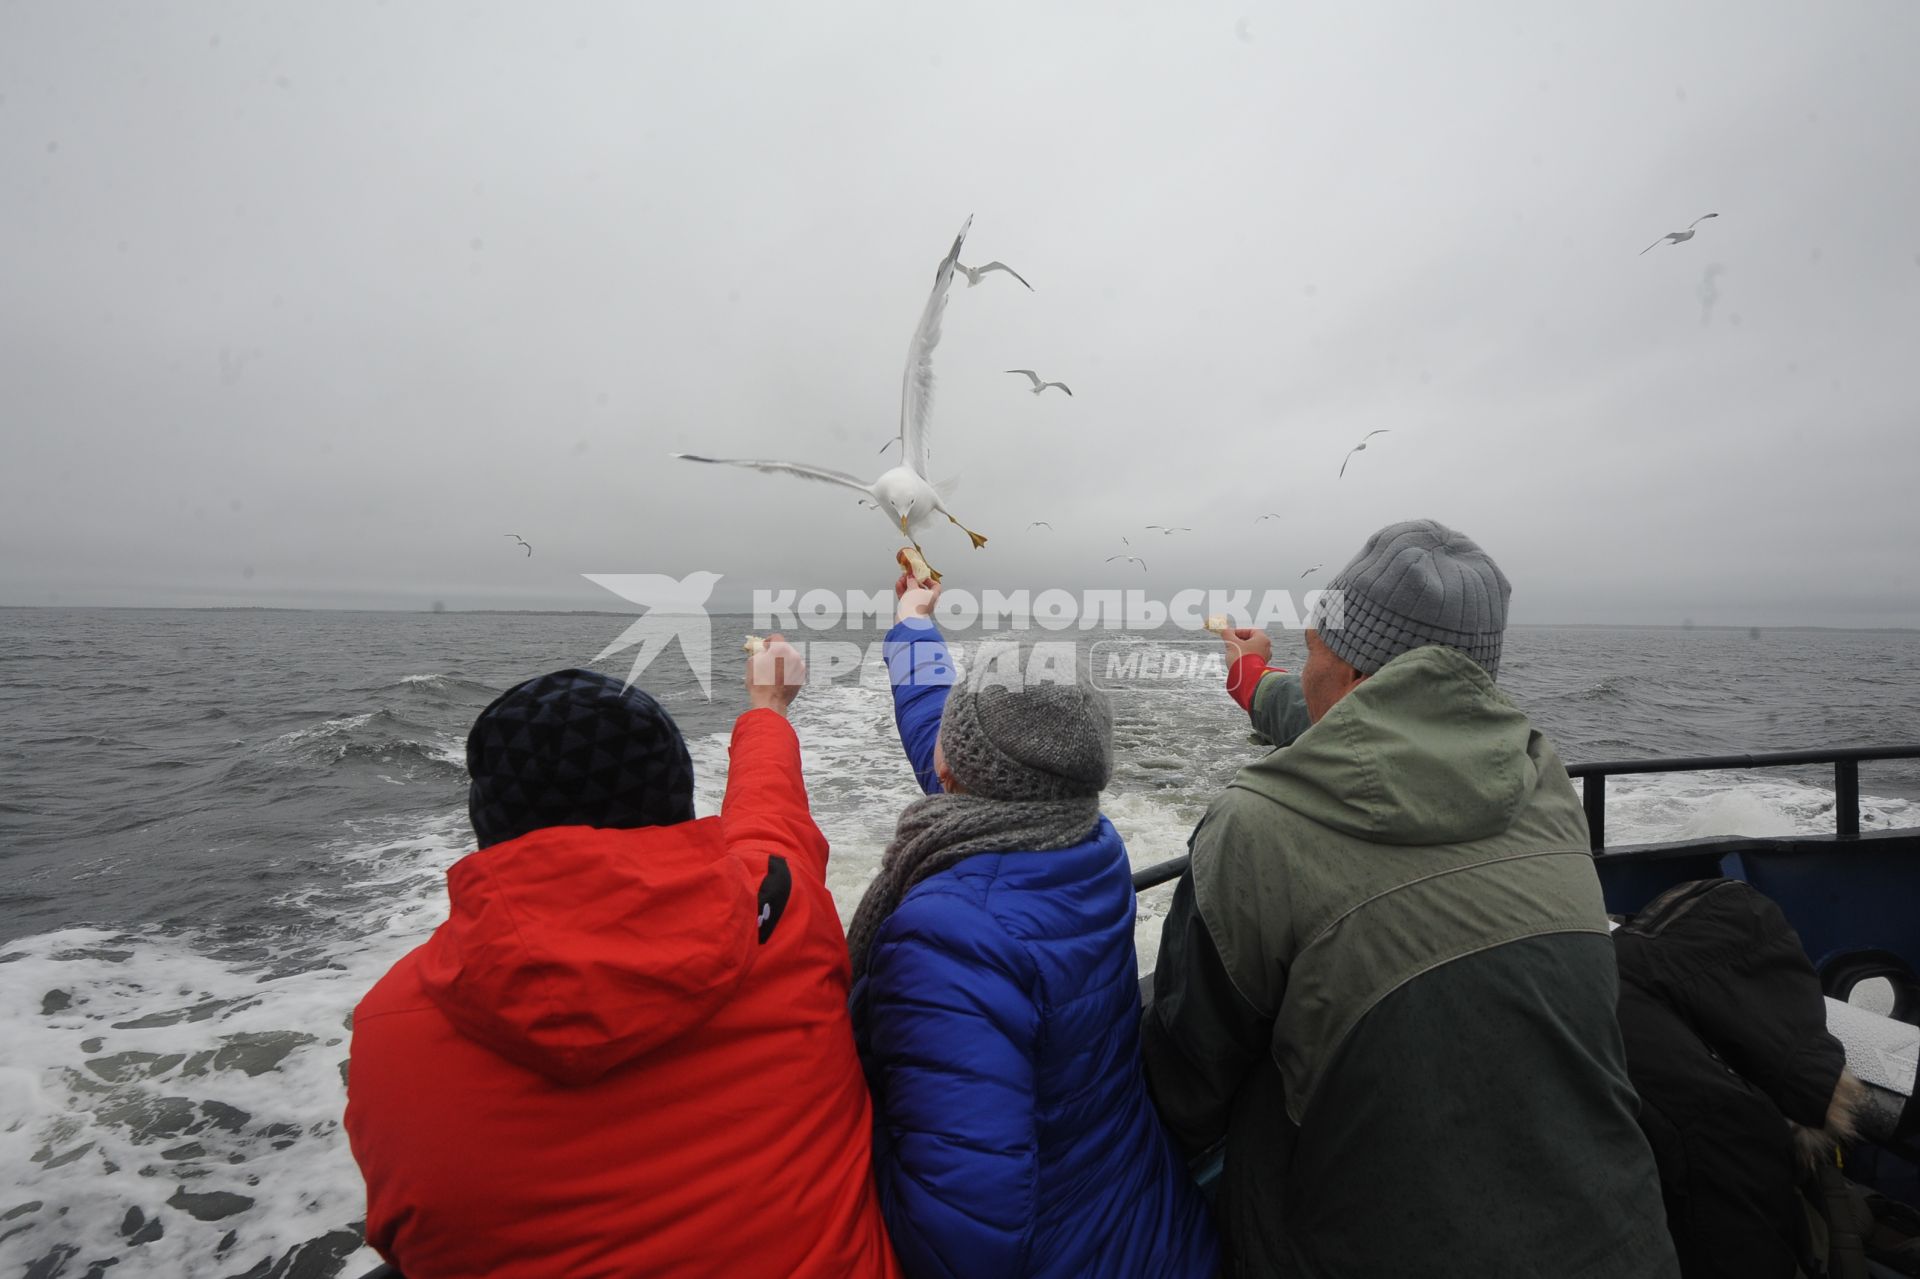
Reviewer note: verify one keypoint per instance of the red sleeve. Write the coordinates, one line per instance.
(1244, 676)
(766, 802)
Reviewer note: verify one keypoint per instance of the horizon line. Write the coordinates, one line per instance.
(601, 612)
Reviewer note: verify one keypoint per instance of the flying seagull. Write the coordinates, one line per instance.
(1258, 518)
(1679, 237)
(1038, 385)
(1169, 531)
(516, 537)
(1039, 524)
(903, 494)
(1132, 559)
(1358, 448)
(973, 273)
(1310, 572)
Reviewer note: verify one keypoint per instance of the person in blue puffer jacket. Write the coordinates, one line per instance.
(996, 1000)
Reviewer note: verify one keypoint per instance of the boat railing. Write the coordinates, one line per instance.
(1845, 761)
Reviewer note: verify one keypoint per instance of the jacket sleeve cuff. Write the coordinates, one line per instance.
(1244, 677)
(765, 722)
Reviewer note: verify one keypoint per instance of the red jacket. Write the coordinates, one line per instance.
(626, 1052)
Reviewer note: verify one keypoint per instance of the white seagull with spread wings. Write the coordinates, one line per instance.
(1131, 559)
(1168, 530)
(904, 495)
(523, 541)
(1038, 385)
(1678, 237)
(973, 273)
(1358, 448)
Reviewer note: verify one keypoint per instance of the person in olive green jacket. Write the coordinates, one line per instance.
(1386, 981)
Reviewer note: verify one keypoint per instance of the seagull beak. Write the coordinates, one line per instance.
(903, 523)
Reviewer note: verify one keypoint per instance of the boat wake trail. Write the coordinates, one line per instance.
(174, 1112)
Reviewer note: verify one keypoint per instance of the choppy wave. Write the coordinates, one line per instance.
(170, 1111)
(1609, 690)
(332, 729)
(435, 691)
(379, 737)
(444, 682)
(1703, 805)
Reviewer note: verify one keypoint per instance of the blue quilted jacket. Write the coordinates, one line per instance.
(999, 1023)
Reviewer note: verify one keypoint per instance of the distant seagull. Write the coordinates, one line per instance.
(516, 537)
(1039, 524)
(1361, 446)
(1258, 518)
(904, 494)
(973, 273)
(1169, 530)
(1131, 559)
(1310, 572)
(1038, 385)
(1679, 237)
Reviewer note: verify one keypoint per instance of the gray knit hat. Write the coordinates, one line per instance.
(1017, 739)
(1413, 584)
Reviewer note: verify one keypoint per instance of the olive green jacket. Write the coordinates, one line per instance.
(1386, 981)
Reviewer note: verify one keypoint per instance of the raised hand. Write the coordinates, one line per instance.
(775, 675)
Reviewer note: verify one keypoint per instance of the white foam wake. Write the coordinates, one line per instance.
(1671, 806)
(144, 1081)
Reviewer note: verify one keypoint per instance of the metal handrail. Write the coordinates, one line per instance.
(1846, 779)
(1159, 873)
(1593, 778)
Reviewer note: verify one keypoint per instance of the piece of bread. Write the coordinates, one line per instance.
(916, 565)
(753, 645)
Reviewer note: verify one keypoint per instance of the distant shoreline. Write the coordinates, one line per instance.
(603, 612)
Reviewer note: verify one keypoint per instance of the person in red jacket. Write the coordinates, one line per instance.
(627, 1050)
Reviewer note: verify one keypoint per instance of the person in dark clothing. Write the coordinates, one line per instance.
(1742, 1089)
(1385, 980)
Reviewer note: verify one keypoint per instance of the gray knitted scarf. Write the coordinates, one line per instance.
(940, 831)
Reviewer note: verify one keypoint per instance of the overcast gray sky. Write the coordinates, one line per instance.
(311, 304)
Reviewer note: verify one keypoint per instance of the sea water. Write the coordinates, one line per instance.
(217, 829)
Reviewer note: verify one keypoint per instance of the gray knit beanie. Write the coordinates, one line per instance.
(1016, 739)
(1413, 584)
